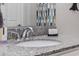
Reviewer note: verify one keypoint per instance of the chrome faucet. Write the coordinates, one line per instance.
(26, 33)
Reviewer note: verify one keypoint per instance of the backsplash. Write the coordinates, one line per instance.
(41, 30)
(38, 30)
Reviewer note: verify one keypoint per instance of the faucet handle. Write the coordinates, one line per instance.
(14, 32)
(31, 28)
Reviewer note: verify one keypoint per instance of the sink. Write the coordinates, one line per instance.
(38, 43)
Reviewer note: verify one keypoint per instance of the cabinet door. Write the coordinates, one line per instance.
(13, 13)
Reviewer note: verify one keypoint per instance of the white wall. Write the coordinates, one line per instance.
(67, 21)
(29, 14)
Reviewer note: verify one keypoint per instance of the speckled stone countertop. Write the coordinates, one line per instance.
(67, 42)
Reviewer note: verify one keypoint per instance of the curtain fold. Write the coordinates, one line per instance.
(1, 20)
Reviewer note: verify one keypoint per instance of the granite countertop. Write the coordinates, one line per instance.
(67, 42)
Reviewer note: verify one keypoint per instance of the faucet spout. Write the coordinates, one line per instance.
(25, 35)
(27, 32)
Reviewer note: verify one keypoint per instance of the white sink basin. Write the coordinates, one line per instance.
(38, 43)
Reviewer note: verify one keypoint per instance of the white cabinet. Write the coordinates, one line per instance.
(19, 13)
(12, 13)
